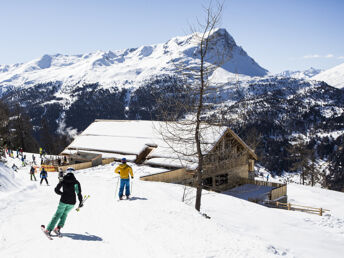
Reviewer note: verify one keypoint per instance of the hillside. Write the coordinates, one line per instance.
(333, 76)
(155, 223)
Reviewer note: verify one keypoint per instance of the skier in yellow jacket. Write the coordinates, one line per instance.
(124, 170)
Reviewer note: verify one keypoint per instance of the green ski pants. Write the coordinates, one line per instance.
(61, 214)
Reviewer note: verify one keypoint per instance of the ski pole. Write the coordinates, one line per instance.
(131, 187)
(117, 185)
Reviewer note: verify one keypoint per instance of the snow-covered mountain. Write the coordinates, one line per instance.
(129, 67)
(333, 76)
(70, 92)
(306, 74)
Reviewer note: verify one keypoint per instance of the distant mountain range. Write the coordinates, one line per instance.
(126, 68)
(306, 74)
(333, 76)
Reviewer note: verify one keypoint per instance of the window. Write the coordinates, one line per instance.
(208, 181)
(221, 179)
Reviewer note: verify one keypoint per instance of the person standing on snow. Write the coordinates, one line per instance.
(44, 176)
(124, 170)
(61, 174)
(32, 173)
(70, 186)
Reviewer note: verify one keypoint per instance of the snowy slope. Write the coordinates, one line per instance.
(126, 67)
(333, 76)
(306, 74)
(157, 224)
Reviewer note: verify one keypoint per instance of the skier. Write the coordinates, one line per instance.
(69, 186)
(267, 178)
(44, 176)
(40, 152)
(23, 161)
(33, 159)
(32, 173)
(61, 174)
(124, 170)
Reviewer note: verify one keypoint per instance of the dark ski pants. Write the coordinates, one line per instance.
(124, 183)
(61, 214)
(46, 180)
(33, 176)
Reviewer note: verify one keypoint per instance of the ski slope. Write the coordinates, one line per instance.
(155, 223)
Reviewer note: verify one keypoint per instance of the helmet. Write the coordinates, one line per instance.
(124, 160)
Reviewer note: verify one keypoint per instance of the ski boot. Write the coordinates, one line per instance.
(57, 231)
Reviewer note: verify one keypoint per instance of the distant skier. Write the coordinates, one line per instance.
(267, 178)
(61, 174)
(69, 186)
(32, 173)
(124, 170)
(44, 176)
(33, 159)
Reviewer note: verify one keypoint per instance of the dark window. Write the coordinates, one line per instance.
(208, 181)
(221, 179)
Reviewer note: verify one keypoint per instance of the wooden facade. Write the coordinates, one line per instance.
(230, 161)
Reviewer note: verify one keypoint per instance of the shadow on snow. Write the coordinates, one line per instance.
(86, 237)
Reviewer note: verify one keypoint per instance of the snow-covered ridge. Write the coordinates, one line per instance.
(333, 76)
(127, 67)
(306, 74)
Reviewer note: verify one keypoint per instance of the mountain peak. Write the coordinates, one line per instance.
(133, 65)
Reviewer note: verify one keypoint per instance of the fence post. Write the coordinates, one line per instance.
(288, 206)
(320, 212)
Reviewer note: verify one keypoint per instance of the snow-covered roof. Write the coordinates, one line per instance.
(132, 137)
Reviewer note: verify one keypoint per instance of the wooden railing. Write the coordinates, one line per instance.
(295, 207)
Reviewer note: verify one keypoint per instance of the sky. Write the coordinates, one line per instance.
(279, 34)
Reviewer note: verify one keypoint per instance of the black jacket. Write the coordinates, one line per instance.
(69, 186)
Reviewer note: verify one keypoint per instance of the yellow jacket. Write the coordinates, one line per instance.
(123, 170)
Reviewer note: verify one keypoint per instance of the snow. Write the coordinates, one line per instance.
(333, 76)
(306, 74)
(156, 223)
(126, 68)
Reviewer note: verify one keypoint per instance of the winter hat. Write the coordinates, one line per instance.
(124, 160)
(69, 177)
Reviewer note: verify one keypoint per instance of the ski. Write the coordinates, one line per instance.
(83, 201)
(45, 233)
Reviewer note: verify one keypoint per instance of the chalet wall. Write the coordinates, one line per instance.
(174, 176)
(107, 161)
(77, 166)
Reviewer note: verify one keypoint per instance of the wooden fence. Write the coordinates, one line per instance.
(295, 207)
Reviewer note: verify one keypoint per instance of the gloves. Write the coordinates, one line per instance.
(132, 177)
(80, 205)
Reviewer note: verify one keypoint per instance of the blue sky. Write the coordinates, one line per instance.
(278, 34)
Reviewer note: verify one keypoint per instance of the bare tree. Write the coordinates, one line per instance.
(188, 136)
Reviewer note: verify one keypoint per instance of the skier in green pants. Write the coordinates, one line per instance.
(70, 186)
